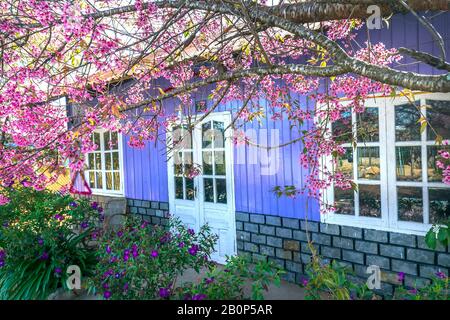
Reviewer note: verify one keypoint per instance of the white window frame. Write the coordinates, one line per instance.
(388, 184)
(104, 191)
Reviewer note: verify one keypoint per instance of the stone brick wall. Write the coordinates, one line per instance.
(114, 207)
(151, 211)
(284, 241)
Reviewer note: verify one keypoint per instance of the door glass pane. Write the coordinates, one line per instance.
(434, 173)
(178, 163)
(342, 128)
(218, 134)
(410, 204)
(344, 163)
(187, 160)
(99, 179)
(406, 122)
(369, 201)
(368, 126)
(207, 135)
(98, 161)
(208, 189)
(190, 194)
(108, 161)
(409, 163)
(178, 187)
(92, 179)
(207, 163)
(116, 181)
(438, 116)
(107, 140)
(115, 160)
(369, 163)
(221, 187)
(109, 180)
(219, 162)
(439, 204)
(344, 201)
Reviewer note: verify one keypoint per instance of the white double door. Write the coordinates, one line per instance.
(201, 184)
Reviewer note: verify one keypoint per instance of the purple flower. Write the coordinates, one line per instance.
(2, 254)
(58, 217)
(5, 224)
(400, 276)
(193, 250)
(44, 256)
(94, 205)
(107, 294)
(199, 296)
(108, 249)
(94, 235)
(105, 285)
(305, 282)
(40, 241)
(84, 225)
(58, 270)
(120, 234)
(144, 224)
(412, 291)
(154, 254)
(73, 204)
(181, 244)
(125, 258)
(191, 232)
(2, 263)
(209, 280)
(118, 275)
(441, 275)
(100, 209)
(125, 287)
(164, 292)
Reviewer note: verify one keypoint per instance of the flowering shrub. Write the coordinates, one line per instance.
(227, 283)
(140, 261)
(41, 234)
(437, 290)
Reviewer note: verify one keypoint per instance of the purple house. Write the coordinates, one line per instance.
(400, 190)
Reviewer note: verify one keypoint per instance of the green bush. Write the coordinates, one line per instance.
(41, 234)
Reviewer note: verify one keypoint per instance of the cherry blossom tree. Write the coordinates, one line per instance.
(83, 52)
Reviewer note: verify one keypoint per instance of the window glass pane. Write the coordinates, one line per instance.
(90, 161)
(115, 160)
(99, 179)
(208, 189)
(116, 181)
(98, 161)
(178, 187)
(190, 194)
(109, 180)
(114, 140)
(439, 204)
(218, 134)
(92, 179)
(107, 140)
(207, 162)
(219, 162)
(97, 140)
(221, 187)
(410, 204)
(406, 126)
(438, 116)
(434, 172)
(409, 163)
(369, 201)
(178, 163)
(108, 161)
(344, 201)
(342, 128)
(344, 163)
(368, 126)
(369, 163)
(207, 135)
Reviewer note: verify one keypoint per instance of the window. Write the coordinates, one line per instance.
(393, 163)
(104, 164)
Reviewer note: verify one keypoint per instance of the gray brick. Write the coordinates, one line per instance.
(156, 220)
(164, 206)
(138, 203)
(416, 282)
(390, 277)
(293, 266)
(309, 225)
(241, 216)
(321, 239)
(305, 258)
(305, 248)
(151, 212)
(382, 262)
(407, 240)
(240, 245)
(330, 252)
(146, 204)
(420, 255)
(258, 238)
(284, 232)
(266, 250)
(279, 262)
(291, 223)
(142, 211)
(275, 242)
(299, 235)
(444, 259)
(430, 271)
(273, 221)
(283, 254)
(353, 256)
(257, 218)
(344, 243)
(422, 245)
(252, 227)
(159, 213)
(243, 235)
(248, 246)
(351, 232)
(130, 202)
(239, 225)
(332, 229)
(404, 266)
(288, 276)
(375, 235)
(133, 210)
(258, 257)
(292, 245)
(360, 271)
(366, 247)
(392, 251)
(155, 205)
(269, 230)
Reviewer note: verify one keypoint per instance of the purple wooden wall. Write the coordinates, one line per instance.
(146, 170)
